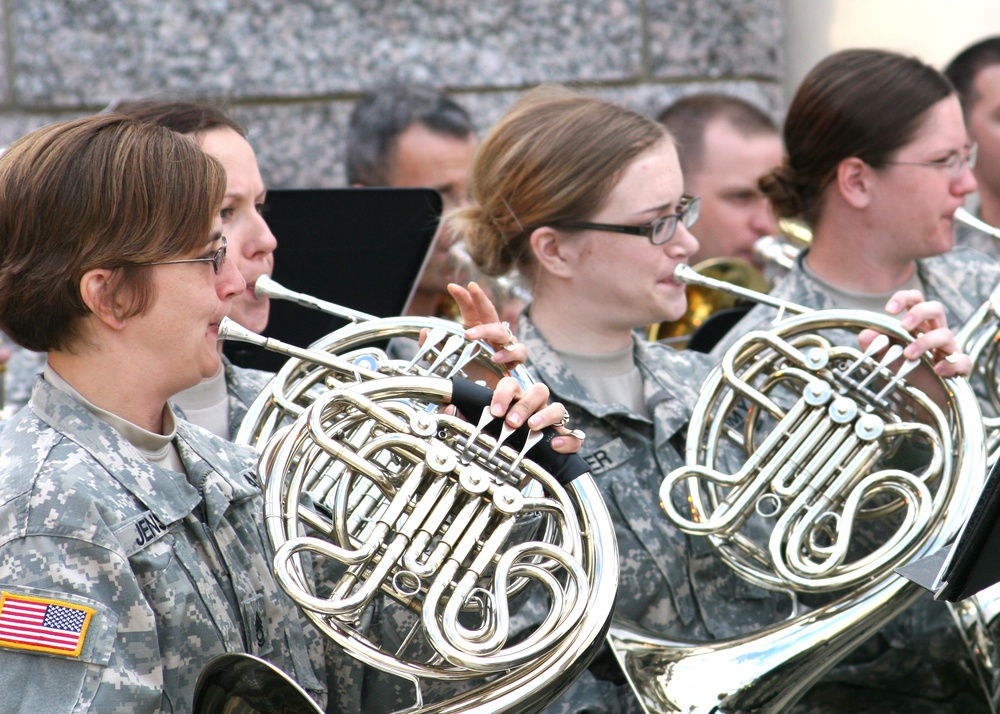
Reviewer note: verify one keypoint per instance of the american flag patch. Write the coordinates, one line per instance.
(43, 625)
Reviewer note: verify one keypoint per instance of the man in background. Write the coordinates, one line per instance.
(975, 72)
(415, 136)
(725, 144)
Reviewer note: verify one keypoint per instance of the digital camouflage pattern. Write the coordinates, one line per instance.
(918, 662)
(177, 569)
(671, 584)
(242, 384)
(19, 374)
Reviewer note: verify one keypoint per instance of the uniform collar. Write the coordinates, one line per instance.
(167, 494)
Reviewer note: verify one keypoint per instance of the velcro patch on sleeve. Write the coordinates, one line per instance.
(41, 624)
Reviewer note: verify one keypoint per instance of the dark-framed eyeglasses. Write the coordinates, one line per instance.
(217, 259)
(954, 163)
(659, 231)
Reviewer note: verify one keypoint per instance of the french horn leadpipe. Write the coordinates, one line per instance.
(774, 256)
(687, 275)
(268, 287)
(792, 444)
(447, 523)
(963, 216)
(704, 302)
(444, 352)
(235, 332)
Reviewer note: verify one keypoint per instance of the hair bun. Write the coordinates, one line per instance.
(782, 189)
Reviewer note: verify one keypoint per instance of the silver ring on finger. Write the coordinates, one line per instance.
(511, 340)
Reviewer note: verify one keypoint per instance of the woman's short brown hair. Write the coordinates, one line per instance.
(100, 192)
(182, 116)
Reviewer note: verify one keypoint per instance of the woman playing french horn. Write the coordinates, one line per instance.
(134, 546)
(878, 159)
(587, 199)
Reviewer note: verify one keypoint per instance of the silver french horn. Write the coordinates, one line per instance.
(979, 338)
(813, 469)
(502, 567)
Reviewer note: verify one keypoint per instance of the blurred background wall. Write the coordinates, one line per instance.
(290, 69)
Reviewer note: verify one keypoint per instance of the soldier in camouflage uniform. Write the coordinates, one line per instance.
(556, 184)
(251, 246)
(175, 571)
(133, 550)
(878, 160)
(251, 249)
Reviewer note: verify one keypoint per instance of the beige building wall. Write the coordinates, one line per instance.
(934, 30)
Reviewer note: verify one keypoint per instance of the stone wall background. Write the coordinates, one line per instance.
(291, 69)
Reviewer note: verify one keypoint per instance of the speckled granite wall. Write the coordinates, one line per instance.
(290, 69)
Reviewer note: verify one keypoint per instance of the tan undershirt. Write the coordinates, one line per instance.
(207, 404)
(873, 302)
(609, 377)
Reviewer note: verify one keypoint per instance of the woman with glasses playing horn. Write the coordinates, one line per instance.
(134, 548)
(878, 159)
(219, 402)
(587, 199)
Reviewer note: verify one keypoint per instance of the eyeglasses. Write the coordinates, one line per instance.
(954, 163)
(659, 231)
(217, 260)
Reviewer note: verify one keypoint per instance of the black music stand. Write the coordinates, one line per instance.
(363, 248)
(972, 563)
